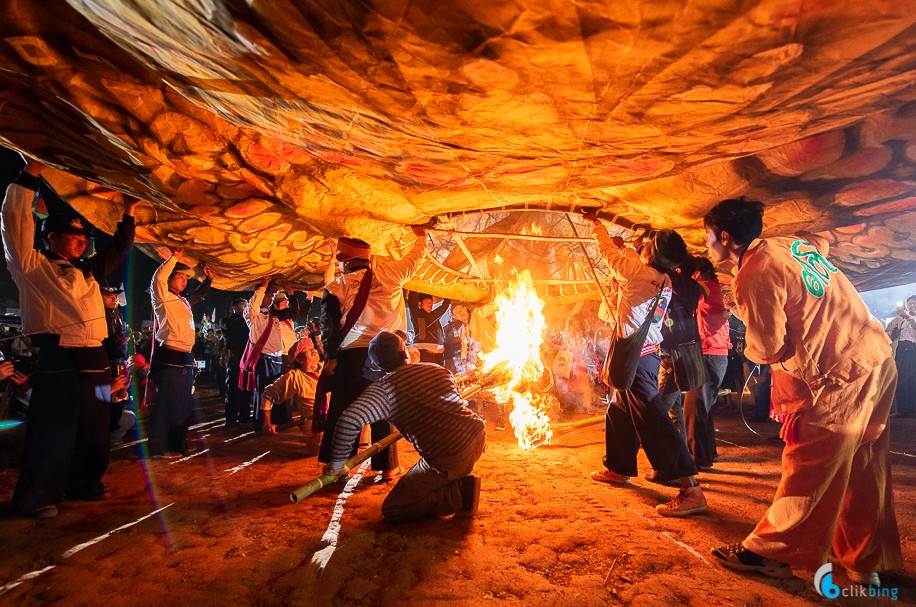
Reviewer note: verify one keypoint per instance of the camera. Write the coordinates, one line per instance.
(22, 364)
(116, 369)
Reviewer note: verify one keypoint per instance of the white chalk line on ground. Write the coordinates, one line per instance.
(232, 471)
(691, 551)
(216, 423)
(331, 535)
(903, 454)
(676, 542)
(235, 438)
(131, 444)
(732, 444)
(187, 457)
(143, 440)
(77, 548)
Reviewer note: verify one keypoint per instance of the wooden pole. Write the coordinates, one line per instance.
(590, 265)
(559, 429)
(511, 236)
(326, 479)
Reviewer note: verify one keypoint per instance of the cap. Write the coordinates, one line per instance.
(183, 269)
(111, 290)
(65, 224)
(387, 351)
(669, 249)
(280, 296)
(352, 248)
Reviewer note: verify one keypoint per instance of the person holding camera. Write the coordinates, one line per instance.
(67, 432)
(122, 417)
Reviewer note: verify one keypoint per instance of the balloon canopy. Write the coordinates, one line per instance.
(260, 131)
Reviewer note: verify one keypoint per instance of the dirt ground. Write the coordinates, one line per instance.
(218, 528)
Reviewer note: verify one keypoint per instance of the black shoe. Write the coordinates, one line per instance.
(90, 497)
(42, 513)
(96, 494)
(166, 456)
(469, 486)
(739, 558)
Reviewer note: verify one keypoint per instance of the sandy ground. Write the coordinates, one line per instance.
(219, 529)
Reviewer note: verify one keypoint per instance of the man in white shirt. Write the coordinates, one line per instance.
(348, 362)
(172, 364)
(68, 420)
(271, 335)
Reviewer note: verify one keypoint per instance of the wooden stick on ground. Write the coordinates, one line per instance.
(326, 479)
(559, 429)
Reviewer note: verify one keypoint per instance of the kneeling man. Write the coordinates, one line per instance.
(423, 403)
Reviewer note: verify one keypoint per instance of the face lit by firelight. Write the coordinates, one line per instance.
(717, 252)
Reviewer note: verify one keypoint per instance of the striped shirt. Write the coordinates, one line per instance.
(423, 403)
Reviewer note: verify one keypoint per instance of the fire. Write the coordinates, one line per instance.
(519, 334)
(534, 230)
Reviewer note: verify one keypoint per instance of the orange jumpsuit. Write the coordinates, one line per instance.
(833, 380)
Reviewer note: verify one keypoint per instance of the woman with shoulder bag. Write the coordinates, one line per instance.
(640, 418)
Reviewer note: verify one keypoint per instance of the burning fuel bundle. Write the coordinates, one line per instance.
(519, 335)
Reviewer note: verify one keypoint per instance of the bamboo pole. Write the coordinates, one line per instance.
(590, 265)
(511, 236)
(326, 479)
(560, 429)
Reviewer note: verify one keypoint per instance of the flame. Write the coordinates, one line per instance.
(534, 230)
(520, 332)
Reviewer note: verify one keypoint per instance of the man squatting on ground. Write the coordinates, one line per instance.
(67, 434)
(833, 386)
(423, 403)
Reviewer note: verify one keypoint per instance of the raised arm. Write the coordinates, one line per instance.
(403, 269)
(18, 227)
(159, 285)
(438, 312)
(111, 258)
(204, 289)
(621, 259)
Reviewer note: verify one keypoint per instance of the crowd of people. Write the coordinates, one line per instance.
(365, 352)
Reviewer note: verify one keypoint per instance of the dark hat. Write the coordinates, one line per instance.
(387, 351)
(669, 249)
(65, 224)
(111, 290)
(352, 248)
(11, 165)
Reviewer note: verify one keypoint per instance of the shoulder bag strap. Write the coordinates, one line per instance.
(359, 304)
